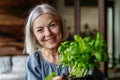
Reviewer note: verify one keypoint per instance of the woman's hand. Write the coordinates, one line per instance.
(58, 78)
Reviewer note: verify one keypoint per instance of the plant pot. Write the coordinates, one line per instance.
(89, 77)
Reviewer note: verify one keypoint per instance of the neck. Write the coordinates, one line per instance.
(50, 55)
(50, 52)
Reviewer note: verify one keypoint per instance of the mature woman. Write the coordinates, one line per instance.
(44, 32)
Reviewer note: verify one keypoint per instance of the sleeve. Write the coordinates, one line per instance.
(32, 72)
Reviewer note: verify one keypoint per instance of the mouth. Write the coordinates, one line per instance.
(51, 39)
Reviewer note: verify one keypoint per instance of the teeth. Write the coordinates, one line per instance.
(50, 40)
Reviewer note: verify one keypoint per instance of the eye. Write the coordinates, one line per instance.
(52, 25)
(40, 30)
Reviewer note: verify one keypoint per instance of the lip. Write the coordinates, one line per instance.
(52, 38)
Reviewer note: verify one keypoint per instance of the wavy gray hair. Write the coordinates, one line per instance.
(31, 44)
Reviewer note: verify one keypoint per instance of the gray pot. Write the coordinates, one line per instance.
(89, 77)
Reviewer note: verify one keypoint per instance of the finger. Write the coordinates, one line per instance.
(58, 78)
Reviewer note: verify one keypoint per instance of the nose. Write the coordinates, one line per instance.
(47, 32)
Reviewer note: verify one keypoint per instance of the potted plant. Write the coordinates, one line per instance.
(83, 55)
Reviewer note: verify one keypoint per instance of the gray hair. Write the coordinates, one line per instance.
(31, 44)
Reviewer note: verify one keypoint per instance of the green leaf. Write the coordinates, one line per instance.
(61, 49)
(79, 39)
(65, 44)
(98, 56)
(99, 41)
(53, 74)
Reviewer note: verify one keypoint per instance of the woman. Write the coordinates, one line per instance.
(44, 31)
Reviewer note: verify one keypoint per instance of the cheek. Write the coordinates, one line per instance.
(39, 38)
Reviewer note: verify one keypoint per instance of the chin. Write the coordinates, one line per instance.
(52, 46)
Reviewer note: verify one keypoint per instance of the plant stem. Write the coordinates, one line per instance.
(73, 68)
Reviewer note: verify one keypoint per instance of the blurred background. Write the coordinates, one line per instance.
(83, 17)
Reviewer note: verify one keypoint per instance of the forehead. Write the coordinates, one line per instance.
(45, 18)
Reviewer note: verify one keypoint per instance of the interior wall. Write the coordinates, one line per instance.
(89, 16)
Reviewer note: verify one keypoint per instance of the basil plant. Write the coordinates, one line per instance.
(83, 54)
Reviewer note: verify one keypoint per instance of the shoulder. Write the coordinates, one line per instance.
(33, 68)
(34, 58)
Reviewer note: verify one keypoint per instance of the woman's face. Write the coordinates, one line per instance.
(47, 31)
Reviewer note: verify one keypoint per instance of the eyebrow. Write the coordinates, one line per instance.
(47, 24)
(51, 22)
(39, 27)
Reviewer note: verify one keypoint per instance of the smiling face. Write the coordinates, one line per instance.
(47, 31)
